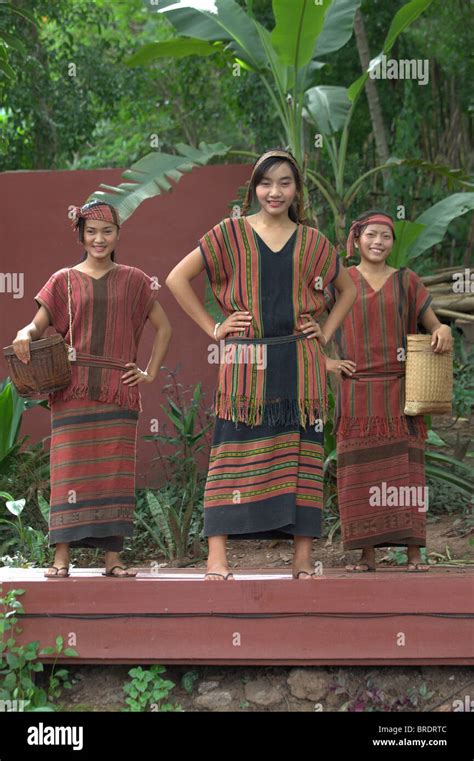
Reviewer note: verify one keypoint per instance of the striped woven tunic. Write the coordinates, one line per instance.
(265, 470)
(94, 419)
(380, 450)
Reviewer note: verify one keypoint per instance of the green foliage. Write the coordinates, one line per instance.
(148, 691)
(28, 541)
(20, 663)
(23, 470)
(463, 386)
(368, 696)
(176, 509)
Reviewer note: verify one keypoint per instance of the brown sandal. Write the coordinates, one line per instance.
(120, 575)
(57, 575)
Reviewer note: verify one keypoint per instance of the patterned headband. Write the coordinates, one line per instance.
(95, 210)
(278, 153)
(355, 229)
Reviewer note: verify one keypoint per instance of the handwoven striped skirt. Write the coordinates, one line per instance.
(264, 481)
(93, 459)
(381, 490)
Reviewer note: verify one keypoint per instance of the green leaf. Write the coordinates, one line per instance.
(434, 471)
(44, 506)
(443, 458)
(176, 48)
(328, 107)
(152, 175)
(297, 25)
(405, 233)
(437, 219)
(230, 24)
(12, 660)
(337, 28)
(434, 439)
(16, 506)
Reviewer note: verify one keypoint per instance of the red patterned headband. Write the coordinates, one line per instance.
(279, 154)
(356, 228)
(95, 210)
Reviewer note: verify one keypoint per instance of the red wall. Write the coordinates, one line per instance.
(37, 239)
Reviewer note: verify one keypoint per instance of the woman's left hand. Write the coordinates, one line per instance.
(135, 375)
(442, 339)
(312, 329)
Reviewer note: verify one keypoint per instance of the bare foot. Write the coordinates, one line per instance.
(366, 563)
(60, 567)
(415, 563)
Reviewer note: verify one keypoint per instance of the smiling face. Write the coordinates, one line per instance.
(100, 238)
(277, 189)
(375, 243)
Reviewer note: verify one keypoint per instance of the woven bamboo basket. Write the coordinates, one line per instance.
(428, 378)
(48, 370)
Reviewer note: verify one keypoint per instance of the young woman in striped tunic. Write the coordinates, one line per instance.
(380, 450)
(267, 272)
(94, 419)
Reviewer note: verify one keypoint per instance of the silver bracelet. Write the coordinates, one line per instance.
(215, 329)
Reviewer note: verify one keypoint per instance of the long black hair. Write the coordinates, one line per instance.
(296, 210)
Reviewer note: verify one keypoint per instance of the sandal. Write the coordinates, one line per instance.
(120, 575)
(57, 575)
(360, 568)
(298, 574)
(417, 567)
(224, 576)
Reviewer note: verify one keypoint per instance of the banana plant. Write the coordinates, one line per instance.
(287, 60)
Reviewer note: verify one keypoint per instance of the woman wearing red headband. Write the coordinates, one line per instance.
(94, 419)
(380, 450)
(267, 272)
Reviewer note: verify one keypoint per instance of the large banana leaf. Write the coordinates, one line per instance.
(151, 175)
(436, 220)
(230, 23)
(297, 25)
(328, 107)
(337, 28)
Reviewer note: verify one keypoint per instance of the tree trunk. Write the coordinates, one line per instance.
(375, 110)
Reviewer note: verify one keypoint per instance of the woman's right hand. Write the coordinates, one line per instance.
(21, 345)
(339, 366)
(236, 321)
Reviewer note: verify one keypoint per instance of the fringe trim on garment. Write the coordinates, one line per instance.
(260, 411)
(385, 427)
(120, 396)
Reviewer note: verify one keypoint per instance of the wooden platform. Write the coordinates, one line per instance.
(262, 617)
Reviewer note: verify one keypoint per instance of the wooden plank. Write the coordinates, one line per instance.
(262, 617)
